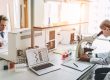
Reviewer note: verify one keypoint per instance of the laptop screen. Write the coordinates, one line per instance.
(37, 56)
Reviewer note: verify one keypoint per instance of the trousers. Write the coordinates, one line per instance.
(100, 73)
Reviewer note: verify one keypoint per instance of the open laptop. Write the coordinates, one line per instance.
(38, 61)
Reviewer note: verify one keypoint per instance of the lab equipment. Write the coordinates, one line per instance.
(89, 40)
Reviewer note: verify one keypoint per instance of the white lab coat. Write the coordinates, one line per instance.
(4, 40)
(101, 60)
(103, 52)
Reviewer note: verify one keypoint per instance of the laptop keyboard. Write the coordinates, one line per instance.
(42, 66)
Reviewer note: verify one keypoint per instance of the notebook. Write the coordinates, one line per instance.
(77, 65)
(38, 61)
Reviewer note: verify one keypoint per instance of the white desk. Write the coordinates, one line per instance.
(63, 74)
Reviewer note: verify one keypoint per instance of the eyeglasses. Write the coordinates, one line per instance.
(2, 25)
(108, 29)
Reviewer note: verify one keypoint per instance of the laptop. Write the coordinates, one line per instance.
(38, 61)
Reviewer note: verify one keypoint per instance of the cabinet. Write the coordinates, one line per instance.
(18, 41)
(51, 36)
(67, 36)
(47, 38)
(51, 42)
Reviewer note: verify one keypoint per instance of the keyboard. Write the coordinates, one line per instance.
(42, 66)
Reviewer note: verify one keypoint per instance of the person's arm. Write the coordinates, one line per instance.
(104, 61)
(1, 42)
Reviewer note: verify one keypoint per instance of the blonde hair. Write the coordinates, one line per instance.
(104, 24)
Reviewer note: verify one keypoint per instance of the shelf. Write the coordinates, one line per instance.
(55, 26)
(50, 27)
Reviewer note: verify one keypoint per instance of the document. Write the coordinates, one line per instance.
(77, 65)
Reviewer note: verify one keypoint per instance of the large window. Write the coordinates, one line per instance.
(93, 11)
(16, 12)
(51, 12)
(67, 13)
(99, 10)
(64, 12)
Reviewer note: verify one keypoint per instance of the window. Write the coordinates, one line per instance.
(67, 13)
(16, 11)
(98, 11)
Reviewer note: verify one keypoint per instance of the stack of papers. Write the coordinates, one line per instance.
(77, 65)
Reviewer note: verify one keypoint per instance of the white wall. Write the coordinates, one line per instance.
(99, 10)
(38, 12)
(3, 7)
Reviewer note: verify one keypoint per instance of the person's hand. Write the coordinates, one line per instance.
(84, 57)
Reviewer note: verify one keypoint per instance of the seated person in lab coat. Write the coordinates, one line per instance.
(3, 37)
(102, 52)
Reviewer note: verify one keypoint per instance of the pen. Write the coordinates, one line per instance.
(75, 64)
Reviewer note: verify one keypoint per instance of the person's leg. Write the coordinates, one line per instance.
(100, 73)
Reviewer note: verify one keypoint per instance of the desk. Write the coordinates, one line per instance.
(63, 74)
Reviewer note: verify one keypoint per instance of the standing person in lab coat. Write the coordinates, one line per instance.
(3, 37)
(100, 73)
